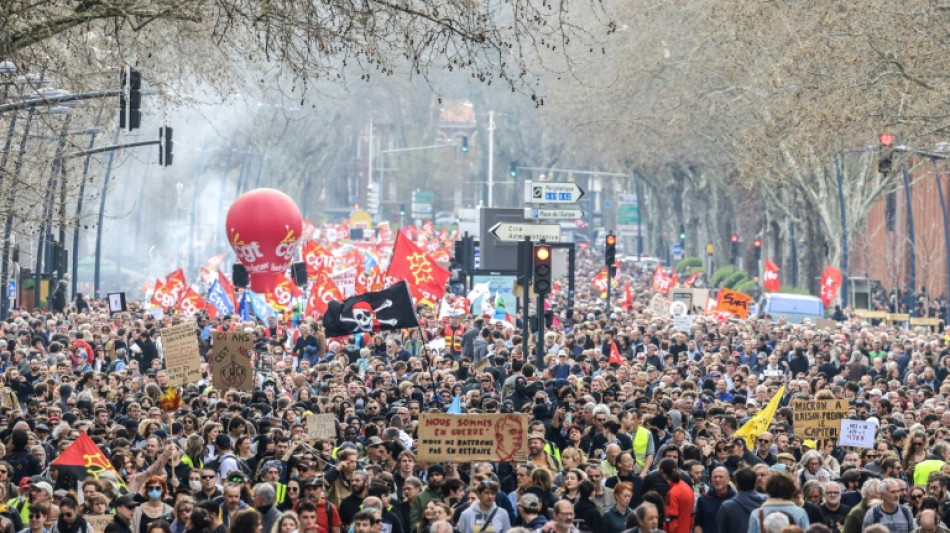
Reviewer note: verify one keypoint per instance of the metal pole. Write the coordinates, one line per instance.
(913, 242)
(636, 187)
(539, 344)
(491, 155)
(794, 255)
(102, 209)
(44, 241)
(82, 192)
(946, 232)
(607, 305)
(527, 259)
(844, 231)
(8, 223)
(571, 263)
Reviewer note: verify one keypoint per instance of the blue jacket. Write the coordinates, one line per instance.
(707, 509)
(734, 514)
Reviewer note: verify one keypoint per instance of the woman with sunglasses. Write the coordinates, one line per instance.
(293, 496)
(915, 451)
(39, 512)
(154, 508)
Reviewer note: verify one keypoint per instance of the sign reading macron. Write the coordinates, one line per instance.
(467, 438)
(818, 419)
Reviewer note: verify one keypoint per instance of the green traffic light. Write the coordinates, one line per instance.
(682, 236)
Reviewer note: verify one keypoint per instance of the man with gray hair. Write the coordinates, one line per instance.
(833, 512)
(264, 498)
(891, 514)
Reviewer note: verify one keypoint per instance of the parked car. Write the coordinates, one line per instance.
(794, 307)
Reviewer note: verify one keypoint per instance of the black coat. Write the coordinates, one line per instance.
(118, 525)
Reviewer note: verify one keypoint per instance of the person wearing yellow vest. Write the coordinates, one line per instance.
(933, 464)
(270, 473)
(643, 448)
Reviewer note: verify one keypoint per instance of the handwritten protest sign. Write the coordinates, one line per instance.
(818, 419)
(660, 305)
(99, 522)
(467, 438)
(321, 426)
(734, 302)
(857, 433)
(683, 322)
(231, 366)
(182, 358)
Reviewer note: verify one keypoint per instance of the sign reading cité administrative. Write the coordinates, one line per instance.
(231, 365)
(466, 438)
(818, 419)
(182, 358)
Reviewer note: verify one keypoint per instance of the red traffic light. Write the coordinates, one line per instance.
(611, 240)
(887, 139)
(735, 238)
(757, 243)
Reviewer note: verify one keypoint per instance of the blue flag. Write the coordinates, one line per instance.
(259, 307)
(455, 408)
(219, 299)
(244, 310)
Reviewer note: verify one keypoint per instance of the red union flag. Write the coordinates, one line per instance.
(600, 283)
(830, 283)
(426, 279)
(317, 258)
(662, 282)
(323, 292)
(190, 302)
(175, 284)
(160, 296)
(284, 293)
(690, 281)
(770, 280)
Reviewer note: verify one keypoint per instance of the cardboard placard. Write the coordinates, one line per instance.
(826, 324)
(322, 426)
(683, 322)
(660, 305)
(857, 433)
(734, 302)
(231, 366)
(182, 357)
(98, 522)
(818, 419)
(466, 438)
(117, 302)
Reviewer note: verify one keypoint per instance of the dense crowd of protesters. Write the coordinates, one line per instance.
(645, 445)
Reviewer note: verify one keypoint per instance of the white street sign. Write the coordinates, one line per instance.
(511, 232)
(549, 192)
(531, 213)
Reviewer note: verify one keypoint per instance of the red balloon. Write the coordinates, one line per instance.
(264, 227)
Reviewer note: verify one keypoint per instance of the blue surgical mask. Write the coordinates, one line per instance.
(154, 494)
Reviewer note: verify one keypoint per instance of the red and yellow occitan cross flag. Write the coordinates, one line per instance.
(760, 423)
(425, 278)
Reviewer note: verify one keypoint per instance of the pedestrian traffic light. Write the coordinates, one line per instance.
(464, 144)
(734, 248)
(610, 250)
(513, 169)
(130, 99)
(165, 145)
(886, 153)
(757, 248)
(542, 269)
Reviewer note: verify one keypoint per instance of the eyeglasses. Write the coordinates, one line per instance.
(34, 516)
(68, 516)
(293, 489)
(918, 444)
(154, 487)
(765, 441)
(207, 477)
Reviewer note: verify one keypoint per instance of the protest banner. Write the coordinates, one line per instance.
(818, 419)
(660, 305)
(466, 438)
(857, 433)
(345, 281)
(734, 302)
(231, 366)
(322, 426)
(98, 522)
(826, 324)
(683, 322)
(182, 357)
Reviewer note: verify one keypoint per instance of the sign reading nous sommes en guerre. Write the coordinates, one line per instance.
(467, 438)
(818, 419)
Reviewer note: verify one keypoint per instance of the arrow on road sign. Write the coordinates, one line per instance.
(531, 213)
(512, 232)
(550, 192)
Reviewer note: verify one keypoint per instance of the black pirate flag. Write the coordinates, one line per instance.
(371, 312)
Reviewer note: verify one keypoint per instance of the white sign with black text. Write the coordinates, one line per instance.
(857, 433)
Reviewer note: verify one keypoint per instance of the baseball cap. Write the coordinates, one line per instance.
(127, 500)
(374, 441)
(529, 502)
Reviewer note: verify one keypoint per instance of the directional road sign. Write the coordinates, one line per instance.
(511, 232)
(532, 213)
(549, 192)
(677, 250)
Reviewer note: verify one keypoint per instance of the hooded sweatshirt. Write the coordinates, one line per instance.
(734, 514)
(707, 509)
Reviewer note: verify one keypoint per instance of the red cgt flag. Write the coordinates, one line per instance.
(323, 292)
(770, 280)
(175, 284)
(190, 303)
(614, 354)
(284, 293)
(425, 278)
(830, 283)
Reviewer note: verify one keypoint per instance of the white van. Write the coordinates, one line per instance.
(794, 307)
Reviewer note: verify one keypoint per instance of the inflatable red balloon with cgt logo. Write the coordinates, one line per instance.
(264, 227)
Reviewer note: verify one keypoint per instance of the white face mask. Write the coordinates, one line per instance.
(194, 484)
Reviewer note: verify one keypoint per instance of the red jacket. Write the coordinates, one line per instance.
(679, 508)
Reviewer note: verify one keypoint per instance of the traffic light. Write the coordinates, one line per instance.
(165, 145)
(542, 269)
(402, 210)
(757, 248)
(513, 169)
(734, 247)
(464, 144)
(682, 233)
(129, 115)
(886, 156)
(610, 250)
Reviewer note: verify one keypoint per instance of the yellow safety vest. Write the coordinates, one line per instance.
(641, 443)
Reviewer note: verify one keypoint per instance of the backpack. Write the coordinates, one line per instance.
(215, 464)
(877, 514)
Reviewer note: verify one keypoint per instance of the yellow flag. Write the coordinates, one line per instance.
(760, 423)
